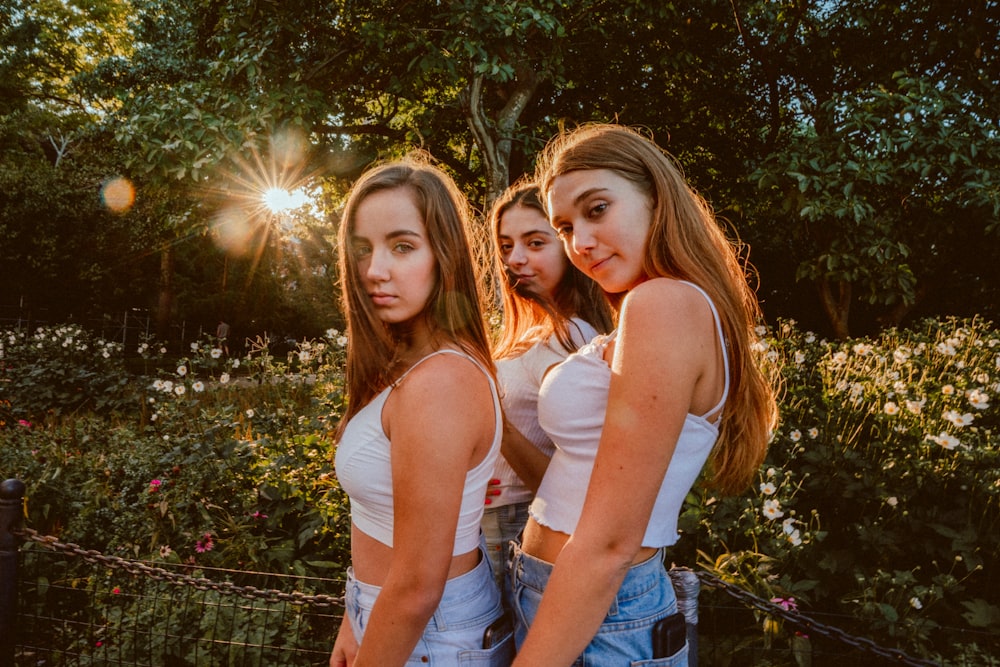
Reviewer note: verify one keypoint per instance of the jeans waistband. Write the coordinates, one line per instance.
(535, 572)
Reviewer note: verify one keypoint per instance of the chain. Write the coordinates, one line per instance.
(160, 574)
(295, 597)
(811, 625)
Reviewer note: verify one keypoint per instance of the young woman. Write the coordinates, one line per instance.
(634, 415)
(550, 309)
(422, 431)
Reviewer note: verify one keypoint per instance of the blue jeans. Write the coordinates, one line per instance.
(625, 638)
(501, 525)
(454, 635)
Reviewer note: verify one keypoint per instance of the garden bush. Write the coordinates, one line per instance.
(878, 504)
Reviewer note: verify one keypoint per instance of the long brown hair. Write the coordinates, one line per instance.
(529, 316)
(687, 243)
(455, 307)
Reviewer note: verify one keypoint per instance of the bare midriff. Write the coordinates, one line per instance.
(370, 559)
(545, 543)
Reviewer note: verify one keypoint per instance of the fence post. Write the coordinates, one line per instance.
(11, 503)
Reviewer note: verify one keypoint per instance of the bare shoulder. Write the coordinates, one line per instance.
(665, 303)
(444, 378)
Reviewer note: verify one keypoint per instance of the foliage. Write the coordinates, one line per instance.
(58, 370)
(878, 503)
(879, 499)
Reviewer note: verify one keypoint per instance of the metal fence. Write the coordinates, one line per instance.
(61, 604)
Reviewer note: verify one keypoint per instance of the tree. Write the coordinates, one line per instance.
(883, 159)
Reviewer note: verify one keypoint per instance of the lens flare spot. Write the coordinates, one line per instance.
(118, 194)
(232, 230)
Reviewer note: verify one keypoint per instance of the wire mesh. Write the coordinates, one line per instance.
(72, 612)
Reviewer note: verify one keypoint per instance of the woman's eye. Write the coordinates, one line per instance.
(362, 251)
(597, 209)
(506, 248)
(536, 243)
(402, 248)
(564, 231)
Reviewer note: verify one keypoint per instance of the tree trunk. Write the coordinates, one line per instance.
(166, 299)
(836, 299)
(494, 136)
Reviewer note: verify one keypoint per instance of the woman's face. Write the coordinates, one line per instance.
(397, 265)
(603, 220)
(531, 251)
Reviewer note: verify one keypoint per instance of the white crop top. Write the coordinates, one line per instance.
(571, 408)
(520, 378)
(364, 467)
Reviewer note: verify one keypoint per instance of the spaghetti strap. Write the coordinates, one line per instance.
(444, 350)
(725, 355)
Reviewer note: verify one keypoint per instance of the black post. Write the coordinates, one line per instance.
(11, 511)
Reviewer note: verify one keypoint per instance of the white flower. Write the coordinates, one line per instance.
(813, 433)
(800, 358)
(979, 399)
(901, 355)
(810, 337)
(216, 353)
(768, 488)
(249, 413)
(771, 472)
(948, 390)
(788, 525)
(198, 387)
(958, 419)
(760, 329)
(194, 347)
(163, 350)
(772, 509)
(235, 363)
(167, 386)
(839, 358)
(794, 537)
(182, 370)
(946, 349)
(304, 356)
(224, 378)
(861, 349)
(179, 390)
(795, 435)
(916, 603)
(916, 406)
(332, 333)
(891, 408)
(945, 440)
(892, 501)
(342, 341)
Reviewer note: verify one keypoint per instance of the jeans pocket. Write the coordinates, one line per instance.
(679, 659)
(499, 655)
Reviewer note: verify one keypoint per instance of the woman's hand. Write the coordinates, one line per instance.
(345, 648)
(492, 490)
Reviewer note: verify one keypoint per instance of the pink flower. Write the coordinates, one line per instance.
(154, 485)
(788, 604)
(24, 423)
(259, 515)
(206, 545)
(116, 591)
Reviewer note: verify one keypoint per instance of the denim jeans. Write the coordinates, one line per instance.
(501, 525)
(625, 638)
(454, 635)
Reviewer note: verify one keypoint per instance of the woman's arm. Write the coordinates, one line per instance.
(345, 649)
(665, 344)
(527, 460)
(440, 421)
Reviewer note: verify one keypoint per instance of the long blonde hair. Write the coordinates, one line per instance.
(529, 316)
(687, 243)
(454, 310)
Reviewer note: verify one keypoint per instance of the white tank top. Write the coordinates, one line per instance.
(364, 467)
(571, 408)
